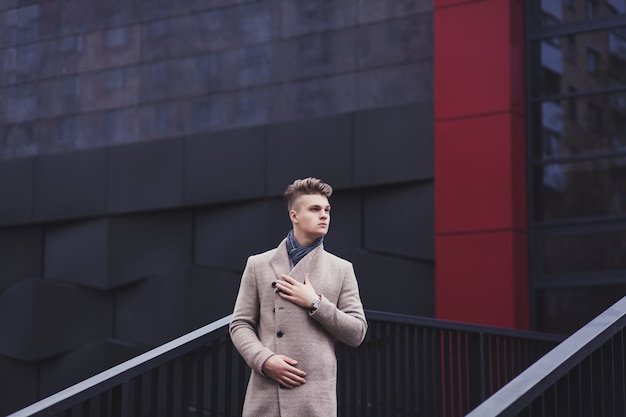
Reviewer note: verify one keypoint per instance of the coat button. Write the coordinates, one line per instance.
(274, 284)
(280, 334)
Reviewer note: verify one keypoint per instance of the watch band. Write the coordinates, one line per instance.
(316, 303)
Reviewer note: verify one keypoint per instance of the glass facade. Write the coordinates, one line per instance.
(576, 55)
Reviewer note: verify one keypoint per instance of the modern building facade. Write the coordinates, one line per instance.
(476, 149)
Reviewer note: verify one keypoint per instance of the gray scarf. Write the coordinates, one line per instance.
(297, 252)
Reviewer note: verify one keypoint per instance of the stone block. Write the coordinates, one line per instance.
(41, 319)
(16, 188)
(248, 66)
(319, 54)
(109, 89)
(145, 176)
(70, 185)
(408, 226)
(376, 10)
(395, 42)
(107, 253)
(166, 119)
(395, 85)
(20, 254)
(111, 48)
(394, 144)
(301, 17)
(313, 98)
(225, 166)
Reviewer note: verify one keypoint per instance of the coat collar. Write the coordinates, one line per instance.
(281, 265)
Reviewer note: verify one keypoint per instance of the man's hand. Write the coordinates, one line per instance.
(301, 294)
(283, 370)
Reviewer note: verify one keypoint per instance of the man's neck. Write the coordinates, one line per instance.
(302, 240)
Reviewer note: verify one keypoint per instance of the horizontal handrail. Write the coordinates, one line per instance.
(126, 370)
(514, 396)
(460, 326)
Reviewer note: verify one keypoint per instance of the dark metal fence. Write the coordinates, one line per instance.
(407, 366)
(583, 376)
(413, 366)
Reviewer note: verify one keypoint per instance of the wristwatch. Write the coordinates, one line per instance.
(316, 303)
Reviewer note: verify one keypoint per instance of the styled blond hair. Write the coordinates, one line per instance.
(306, 186)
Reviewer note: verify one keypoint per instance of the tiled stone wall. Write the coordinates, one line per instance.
(87, 73)
(144, 147)
(94, 269)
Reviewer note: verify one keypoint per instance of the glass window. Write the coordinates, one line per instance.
(591, 9)
(598, 251)
(570, 11)
(588, 61)
(551, 82)
(593, 61)
(585, 125)
(582, 189)
(572, 108)
(565, 310)
(570, 52)
(594, 116)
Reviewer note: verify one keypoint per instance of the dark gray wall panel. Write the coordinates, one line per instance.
(20, 254)
(394, 144)
(399, 221)
(345, 233)
(110, 252)
(166, 306)
(142, 245)
(41, 319)
(63, 371)
(319, 148)
(210, 296)
(225, 166)
(16, 188)
(226, 235)
(18, 384)
(78, 252)
(70, 185)
(145, 176)
(395, 285)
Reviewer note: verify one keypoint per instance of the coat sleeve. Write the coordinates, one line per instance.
(346, 320)
(244, 324)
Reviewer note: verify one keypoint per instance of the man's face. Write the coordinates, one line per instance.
(310, 217)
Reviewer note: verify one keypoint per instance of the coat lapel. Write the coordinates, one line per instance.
(281, 265)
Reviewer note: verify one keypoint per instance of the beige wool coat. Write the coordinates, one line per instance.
(264, 324)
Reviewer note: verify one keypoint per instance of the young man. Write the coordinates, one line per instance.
(294, 302)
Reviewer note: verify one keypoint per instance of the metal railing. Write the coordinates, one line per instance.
(407, 366)
(583, 376)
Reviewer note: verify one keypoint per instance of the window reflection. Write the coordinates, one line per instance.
(565, 310)
(589, 188)
(599, 251)
(568, 11)
(591, 61)
(579, 126)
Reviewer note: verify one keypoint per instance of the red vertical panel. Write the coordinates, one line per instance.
(480, 164)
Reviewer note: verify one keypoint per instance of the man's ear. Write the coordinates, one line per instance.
(293, 216)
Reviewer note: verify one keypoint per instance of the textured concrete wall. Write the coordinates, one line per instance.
(85, 73)
(144, 148)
